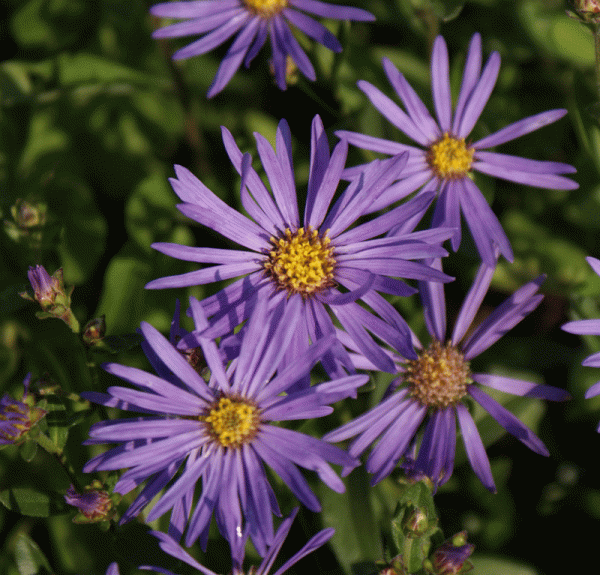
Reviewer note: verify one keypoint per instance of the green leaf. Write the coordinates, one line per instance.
(28, 501)
(29, 557)
(58, 426)
(28, 450)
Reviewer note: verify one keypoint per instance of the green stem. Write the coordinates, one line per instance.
(597, 50)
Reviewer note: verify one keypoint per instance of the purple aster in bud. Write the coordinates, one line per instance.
(94, 503)
(317, 263)
(588, 327)
(434, 389)
(170, 546)
(451, 558)
(253, 21)
(219, 433)
(445, 159)
(17, 417)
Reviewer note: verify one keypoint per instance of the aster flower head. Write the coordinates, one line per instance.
(18, 417)
(253, 21)
(445, 159)
(307, 261)
(588, 327)
(434, 390)
(170, 546)
(219, 433)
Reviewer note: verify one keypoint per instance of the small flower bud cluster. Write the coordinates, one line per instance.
(94, 503)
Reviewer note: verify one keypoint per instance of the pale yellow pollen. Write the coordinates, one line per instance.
(450, 157)
(439, 376)
(301, 262)
(266, 8)
(232, 422)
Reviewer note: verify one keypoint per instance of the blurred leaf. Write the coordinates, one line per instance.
(28, 501)
(56, 420)
(84, 68)
(119, 343)
(495, 565)
(29, 557)
(557, 33)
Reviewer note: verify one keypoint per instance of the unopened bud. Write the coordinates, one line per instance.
(94, 330)
(587, 10)
(451, 557)
(51, 294)
(395, 567)
(94, 503)
(28, 215)
(415, 523)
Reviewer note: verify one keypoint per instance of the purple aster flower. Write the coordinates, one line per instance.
(302, 262)
(433, 390)
(170, 546)
(221, 432)
(588, 327)
(17, 417)
(253, 21)
(445, 159)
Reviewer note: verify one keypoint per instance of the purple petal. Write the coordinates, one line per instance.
(506, 172)
(376, 144)
(197, 25)
(313, 29)
(508, 421)
(193, 9)
(393, 113)
(234, 57)
(440, 84)
(434, 304)
(583, 327)
(474, 448)
(480, 95)
(471, 303)
(470, 77)
(520, 128)
(214, 38)
(327, 10)
(520, 387)
(313, 543)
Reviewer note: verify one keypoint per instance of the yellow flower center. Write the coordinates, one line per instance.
(232, 422)
(266, 8)
(301, 262)
(450, 157)
(439, 376)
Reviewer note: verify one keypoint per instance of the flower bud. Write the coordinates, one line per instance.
(28, 215)
(415, 523)
(51, 294)
(94, 503)
(18, 417)
(395, 567)
(451, 557)
(94, 330)
(587, 10)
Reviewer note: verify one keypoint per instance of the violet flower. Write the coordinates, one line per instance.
(435, 389)
(445, 160)
(253, 21)
(220, 433)
(303, 261)
(588, 327)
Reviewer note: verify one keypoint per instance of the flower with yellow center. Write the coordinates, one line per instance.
(439, 376)
(232, 422)
(450, 157)
(265, 8)
(441, 160)
(301, 262)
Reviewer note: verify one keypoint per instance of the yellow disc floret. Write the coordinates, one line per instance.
(301, 262)
(232, 422)
(439, 376)
(265, 8)
(450, 157)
